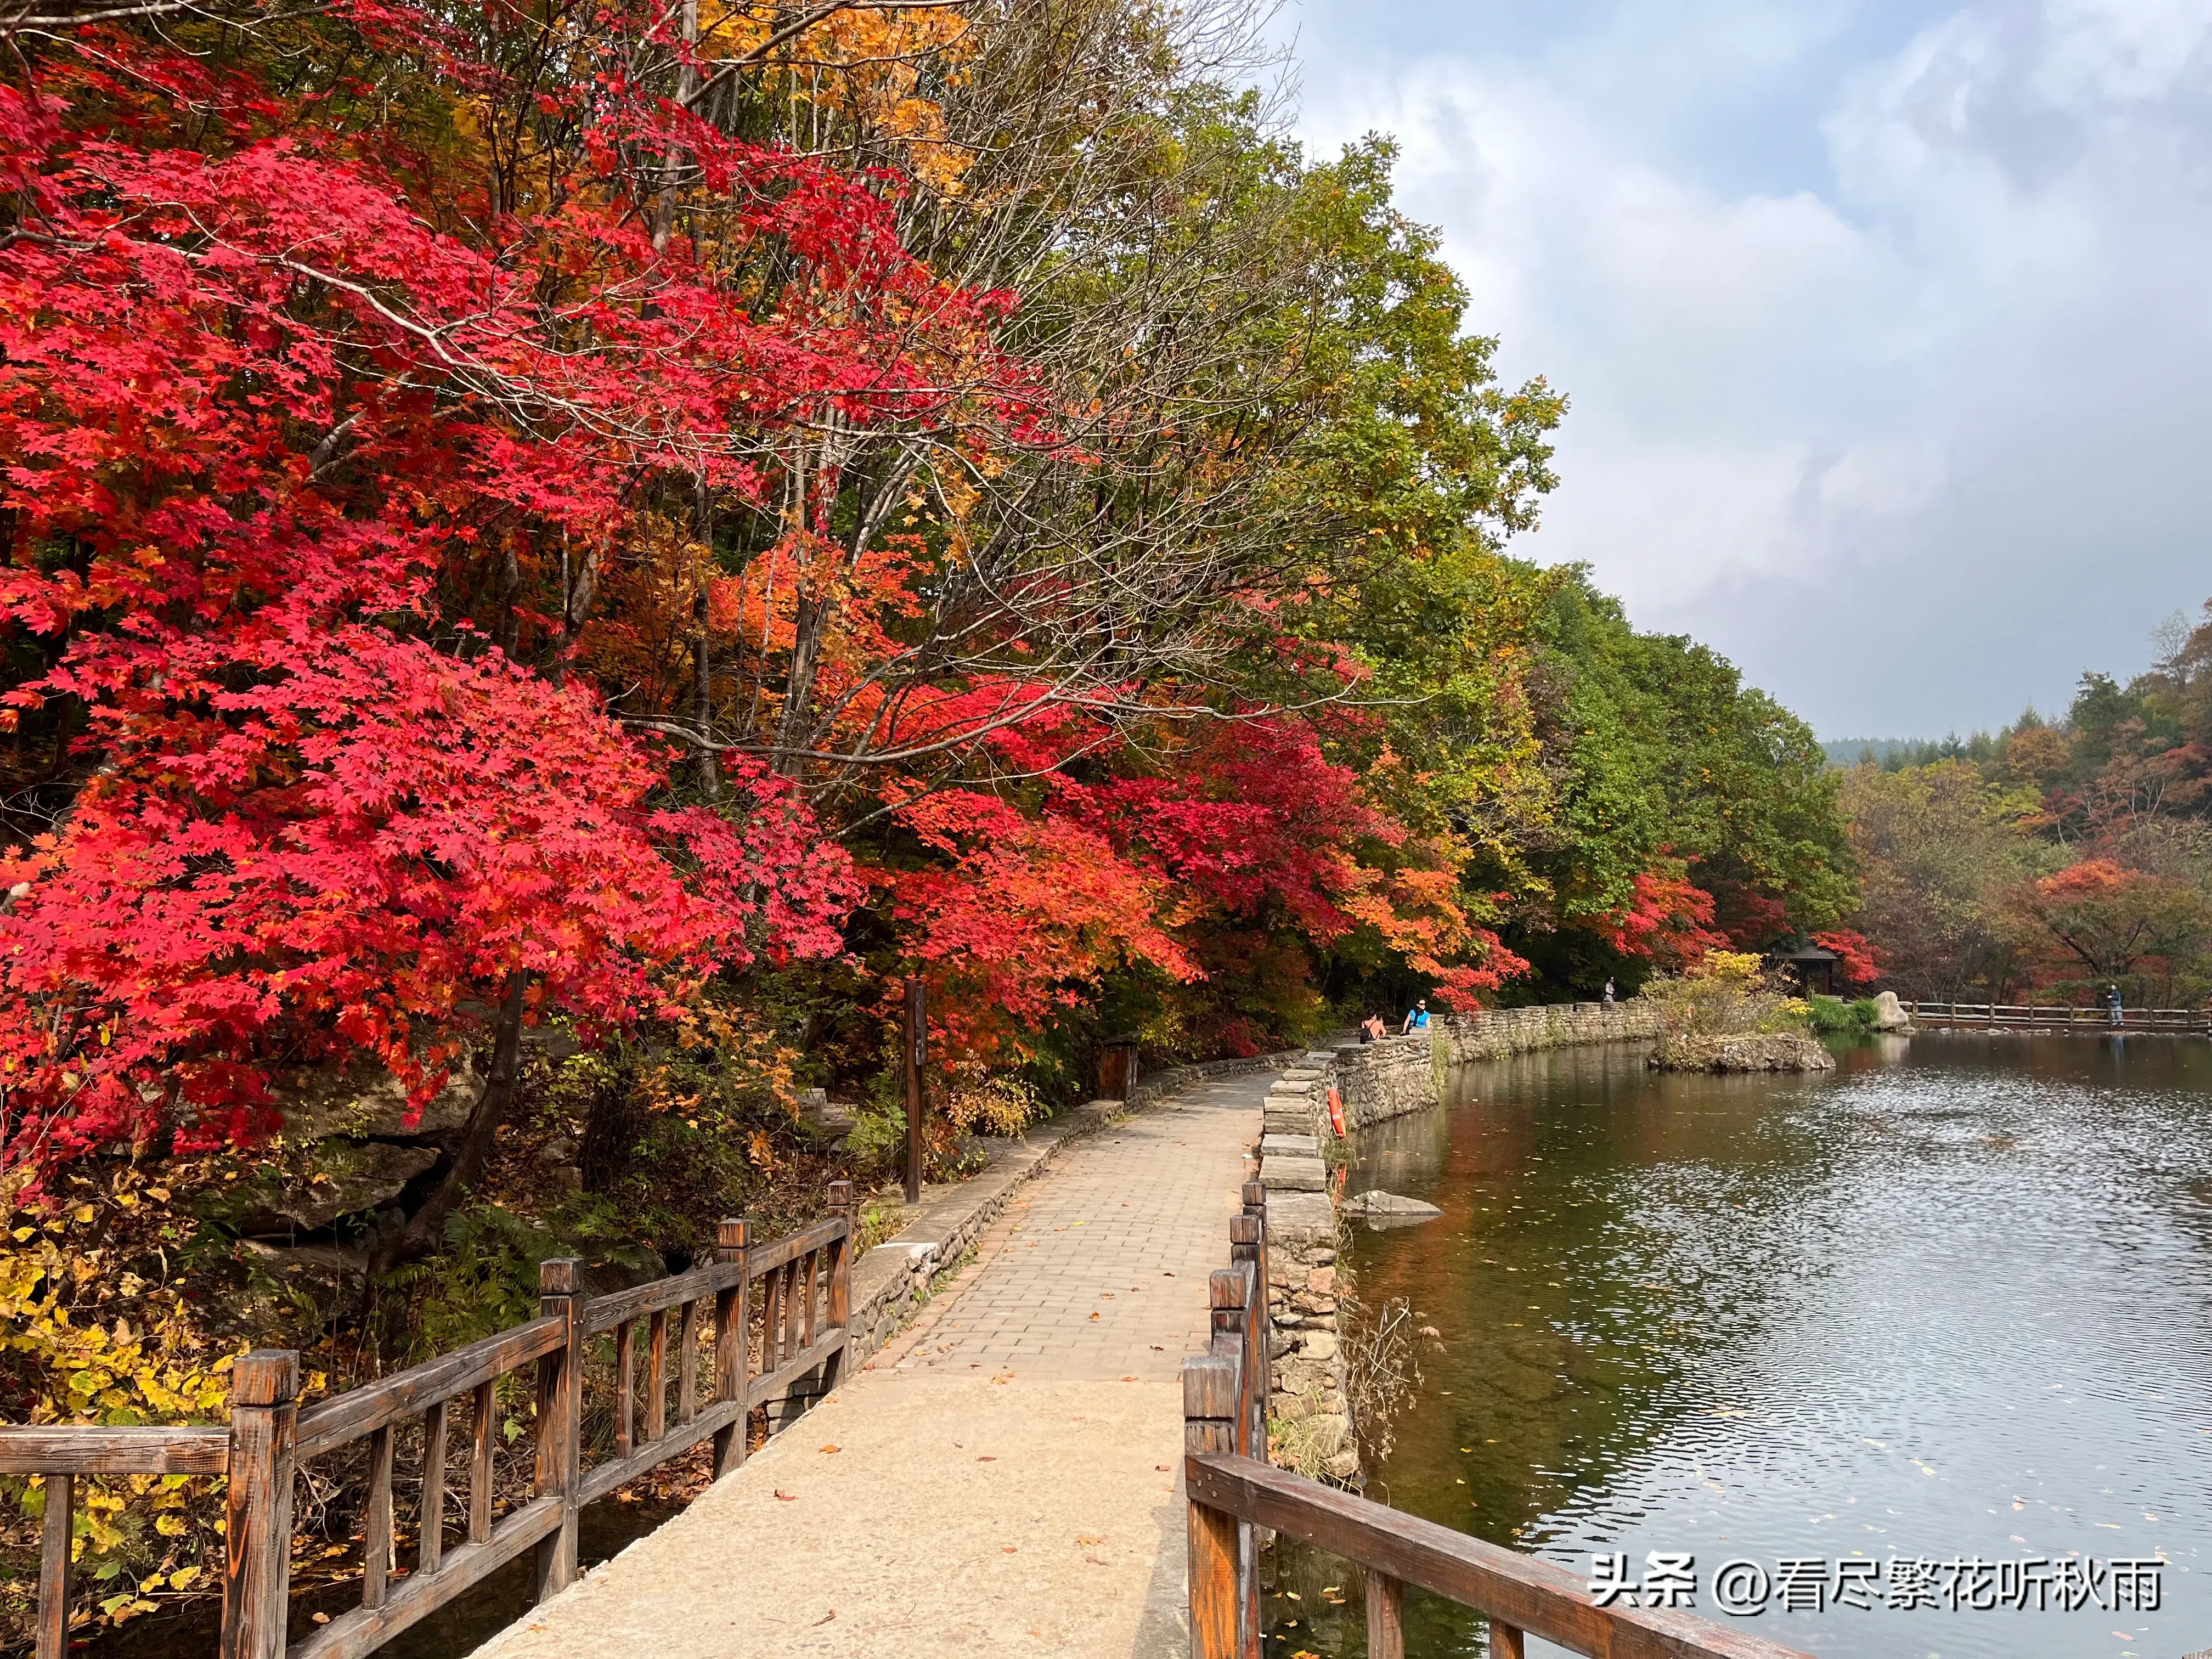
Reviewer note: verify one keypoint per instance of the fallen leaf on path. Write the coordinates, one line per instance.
(1007, 1549)
(787, 1497)
(1080, 1540)
(1094, 1315)
(833, 1449)
(827, 1617)
(988, 1458)
(1128, 1379)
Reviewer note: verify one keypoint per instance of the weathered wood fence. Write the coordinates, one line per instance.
(1234, 1491)
(2021, 1016)
(794, 1328)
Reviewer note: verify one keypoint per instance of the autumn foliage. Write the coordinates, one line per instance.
(607, 520)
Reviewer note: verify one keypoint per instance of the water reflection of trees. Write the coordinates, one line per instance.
(1606, 1237)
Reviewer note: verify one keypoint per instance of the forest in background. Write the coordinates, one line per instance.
(2055, 860)
(555, 554)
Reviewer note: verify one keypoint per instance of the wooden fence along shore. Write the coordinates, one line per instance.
(2013, 1017)
(803, 1306)
(1234, 1491)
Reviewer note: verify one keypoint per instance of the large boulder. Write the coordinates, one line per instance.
(1381, 1208)
(1889, 1014)
(320, 1279)
(307, 1190)
(365, 1102)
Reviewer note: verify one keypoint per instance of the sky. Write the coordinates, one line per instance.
(1886, 327)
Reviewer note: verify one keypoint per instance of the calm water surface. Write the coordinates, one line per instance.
(1952, 1300)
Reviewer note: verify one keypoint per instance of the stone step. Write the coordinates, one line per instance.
(1290, 1145)
(1294, 1175)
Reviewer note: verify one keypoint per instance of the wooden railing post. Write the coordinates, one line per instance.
(732, 1343)
(1256, 1206)
(559, 1413)
(1247, 1242)
(55, 1549)
(1232, 1292)
(840, 1275)
(1248, 1250)
(1506, 1642)
(257, 1589)
(1386, 1616)
(1210, 1390)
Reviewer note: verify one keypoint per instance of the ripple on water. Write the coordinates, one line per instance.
(1940, 1304)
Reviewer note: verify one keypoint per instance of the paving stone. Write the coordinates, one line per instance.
(1003, 1478)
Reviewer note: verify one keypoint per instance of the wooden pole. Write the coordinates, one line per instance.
(1233, 1291)
(265, 1411)
(913, 1048)
(1210, 1388)
(840, 1276)
(430, 1534)
(480, 1462)
(376, 1531)
(560, 1409)
(54, 1567)
(1506, 1642)
(1386, 1617)
(733, 1342)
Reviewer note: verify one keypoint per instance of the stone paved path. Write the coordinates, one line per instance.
(1003, 1478)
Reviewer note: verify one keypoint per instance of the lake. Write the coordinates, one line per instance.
(1949, 1303)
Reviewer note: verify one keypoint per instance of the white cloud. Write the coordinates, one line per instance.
(1968, 350)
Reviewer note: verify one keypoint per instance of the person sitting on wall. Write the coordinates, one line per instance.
(1372, 1030)
(1417, 1018)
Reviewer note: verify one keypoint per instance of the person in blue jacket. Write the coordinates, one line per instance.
(1417, 1017)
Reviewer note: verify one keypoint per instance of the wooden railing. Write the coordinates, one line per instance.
(803, 1303)
(1234, 1491)
(2021, 1016)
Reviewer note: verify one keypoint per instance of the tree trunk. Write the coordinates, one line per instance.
(425, 1230)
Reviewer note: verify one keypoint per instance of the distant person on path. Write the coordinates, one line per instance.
(1609, 990)
(2112, 999)
(1417, 1017)
(1372, 1030)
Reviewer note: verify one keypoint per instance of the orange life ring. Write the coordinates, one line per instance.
(1336, 1111)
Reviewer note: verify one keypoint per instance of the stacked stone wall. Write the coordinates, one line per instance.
(1388, 1078)
(1490, 1032)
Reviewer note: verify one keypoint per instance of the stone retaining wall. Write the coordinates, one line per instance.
(1489, 1032)
(1390, 1079)
(1402, 1074)
(1308, 1400)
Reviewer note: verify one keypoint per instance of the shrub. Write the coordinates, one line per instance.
(1727, 994)
(1833, 1017)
